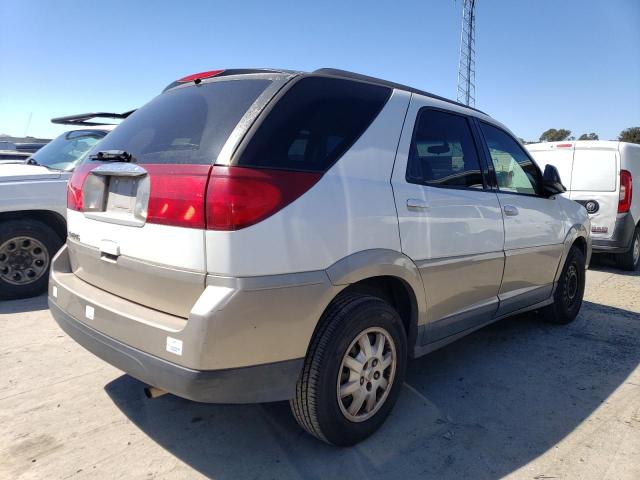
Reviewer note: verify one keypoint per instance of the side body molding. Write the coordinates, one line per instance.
(383, 262)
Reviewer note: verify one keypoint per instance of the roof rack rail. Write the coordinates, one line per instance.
(335, 72)
(82, 118)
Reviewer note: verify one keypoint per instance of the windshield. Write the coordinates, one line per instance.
(188, 125)
(67, 150)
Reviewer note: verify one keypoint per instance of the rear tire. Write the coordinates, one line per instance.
(567, 298)
(360, 347)
(26, 250)
(630, 260)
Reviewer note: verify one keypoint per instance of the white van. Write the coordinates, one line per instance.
(600, 176)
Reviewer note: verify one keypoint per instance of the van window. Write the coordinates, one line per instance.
(515, 171)
(443, 152)
(594, 171)
(185, 125)
(314, 123)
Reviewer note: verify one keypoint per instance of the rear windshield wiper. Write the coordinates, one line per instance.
(113, 156)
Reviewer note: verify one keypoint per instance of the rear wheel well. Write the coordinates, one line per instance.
(52, 219)
(398, 294)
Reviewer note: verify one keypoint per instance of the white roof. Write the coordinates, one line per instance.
(573, 145)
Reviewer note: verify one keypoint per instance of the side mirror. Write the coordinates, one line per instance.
(551, 181)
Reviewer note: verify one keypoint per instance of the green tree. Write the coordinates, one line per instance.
(553, 135)
(589, 136)
(631, 135)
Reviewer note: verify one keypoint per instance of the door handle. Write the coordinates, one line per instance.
(417, 204)
(510, 211)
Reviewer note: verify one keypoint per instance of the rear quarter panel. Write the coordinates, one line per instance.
(350, 209)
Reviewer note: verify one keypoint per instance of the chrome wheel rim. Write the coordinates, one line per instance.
(366, 374)
(571, 285)
(636, 250)
(23, 260)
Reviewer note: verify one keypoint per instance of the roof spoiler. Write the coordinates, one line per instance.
(82, 118)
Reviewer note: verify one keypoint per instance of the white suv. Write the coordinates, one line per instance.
(262, 235)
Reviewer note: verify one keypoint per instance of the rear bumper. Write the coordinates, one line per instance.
(261, 383)
(620, 241)
(243, 342)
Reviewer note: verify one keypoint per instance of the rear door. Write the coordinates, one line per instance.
(450, 221)
(533, 226)
(136, 215)
(595, 184)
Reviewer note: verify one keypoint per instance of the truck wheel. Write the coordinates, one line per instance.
(353, 372)
(26, 250)
(567, 298)
(630, 259)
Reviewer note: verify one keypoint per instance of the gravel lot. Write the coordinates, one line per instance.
(520, 398)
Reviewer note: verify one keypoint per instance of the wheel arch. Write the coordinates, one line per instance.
(578, 236)
(389, 275)
(50, 218)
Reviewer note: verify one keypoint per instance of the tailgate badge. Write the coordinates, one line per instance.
(592, 206)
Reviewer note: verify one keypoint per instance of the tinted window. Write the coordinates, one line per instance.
(185, 125)
(515, 171)
(443, 152)
(69, 149)
(314, 124)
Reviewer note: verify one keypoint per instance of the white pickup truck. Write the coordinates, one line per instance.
(33, 204)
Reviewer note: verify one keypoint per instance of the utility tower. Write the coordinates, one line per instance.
(467, 61)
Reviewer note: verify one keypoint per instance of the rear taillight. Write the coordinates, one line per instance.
(202, 196)
(626, 191)
(239, 197)
(74, 187)
(176, 195)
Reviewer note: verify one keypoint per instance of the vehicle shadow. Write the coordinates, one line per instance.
(24, 305)
(606, 263)
(480, 408)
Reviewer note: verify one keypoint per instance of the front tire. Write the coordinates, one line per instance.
(26, 250)
(353, 372)
(630, 260)
(569, 293)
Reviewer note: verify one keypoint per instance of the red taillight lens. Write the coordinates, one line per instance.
(626, 191)
(74, 187)
(176, 194)
(239, 197)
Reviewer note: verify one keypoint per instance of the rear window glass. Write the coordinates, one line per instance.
(187, 125)
(313, 124)
(594, 171)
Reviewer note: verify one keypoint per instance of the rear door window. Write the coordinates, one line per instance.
(443, 153)
(187, 125)
(594, 171)
(314, 123)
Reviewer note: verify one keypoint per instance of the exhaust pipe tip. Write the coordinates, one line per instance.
(153, 392)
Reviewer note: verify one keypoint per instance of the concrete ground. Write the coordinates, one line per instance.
(519, 399)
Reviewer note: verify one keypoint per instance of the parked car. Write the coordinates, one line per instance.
(600, 175)
(33, 208)
(29, 147)
(13, 156)
(7, 145)
(262, 235)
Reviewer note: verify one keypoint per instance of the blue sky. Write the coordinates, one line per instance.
(547, 63)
